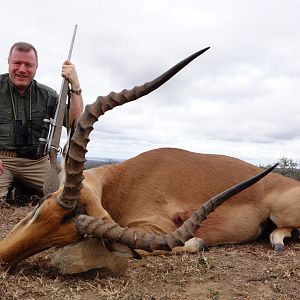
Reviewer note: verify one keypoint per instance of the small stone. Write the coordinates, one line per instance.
(88, 254)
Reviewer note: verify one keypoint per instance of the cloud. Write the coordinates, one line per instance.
(241, 98)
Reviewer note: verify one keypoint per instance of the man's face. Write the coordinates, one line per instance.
(22, 68)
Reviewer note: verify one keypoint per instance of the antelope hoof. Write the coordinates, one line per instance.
(202, 246)
(278, 247)
(295, 234)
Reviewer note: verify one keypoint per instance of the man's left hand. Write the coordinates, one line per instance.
(69, 72)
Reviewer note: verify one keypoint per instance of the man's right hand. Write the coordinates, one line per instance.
(1, 168)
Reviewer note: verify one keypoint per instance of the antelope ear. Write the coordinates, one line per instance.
(65, 151)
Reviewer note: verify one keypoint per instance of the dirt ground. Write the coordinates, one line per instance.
(250, 271)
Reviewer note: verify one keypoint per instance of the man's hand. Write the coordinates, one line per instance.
(1, 168)
(69, 72)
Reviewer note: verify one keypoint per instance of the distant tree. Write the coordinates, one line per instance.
(287, 167)
(111, 161)
(97, 163)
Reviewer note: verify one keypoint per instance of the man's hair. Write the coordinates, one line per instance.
(23, 46)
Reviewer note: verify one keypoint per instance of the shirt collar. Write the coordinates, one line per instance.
(14, 88)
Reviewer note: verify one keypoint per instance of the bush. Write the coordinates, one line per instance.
(286, 167)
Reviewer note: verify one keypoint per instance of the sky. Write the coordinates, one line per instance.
(240, 98)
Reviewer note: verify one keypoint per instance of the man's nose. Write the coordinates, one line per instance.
(22, 68)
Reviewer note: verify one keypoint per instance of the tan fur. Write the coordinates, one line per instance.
(40, 230)
(156, 192)
(159, 188)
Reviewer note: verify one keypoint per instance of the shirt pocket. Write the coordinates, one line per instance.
(38, 119)
(5, 127)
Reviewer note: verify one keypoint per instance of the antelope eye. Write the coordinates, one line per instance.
(79, 210)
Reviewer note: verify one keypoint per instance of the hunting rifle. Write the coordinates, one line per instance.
(49, 142)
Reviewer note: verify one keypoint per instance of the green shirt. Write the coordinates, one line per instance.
(39, 94)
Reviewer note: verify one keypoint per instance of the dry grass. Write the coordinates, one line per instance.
(251, 271)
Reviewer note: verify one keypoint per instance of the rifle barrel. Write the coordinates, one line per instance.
(59, 113)
(72, 42)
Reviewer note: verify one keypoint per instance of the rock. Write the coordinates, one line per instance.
(87, 255)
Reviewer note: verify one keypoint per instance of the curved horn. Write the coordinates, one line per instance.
(138, 240)
(74, 163)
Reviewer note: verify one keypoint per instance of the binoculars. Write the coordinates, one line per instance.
(24, 133)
